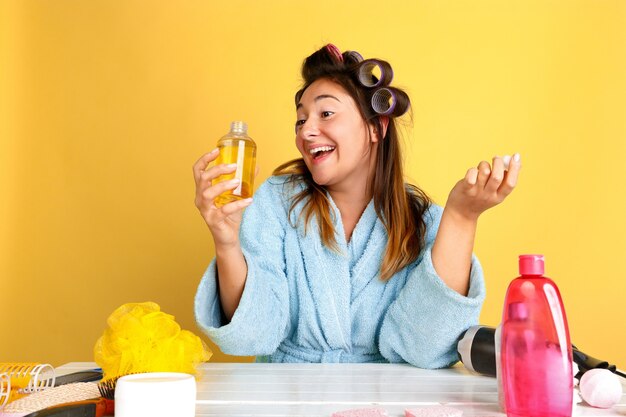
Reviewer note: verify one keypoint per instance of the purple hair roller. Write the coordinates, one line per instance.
(383, 101)
(390, 102)
(355, 56)
(366, 73)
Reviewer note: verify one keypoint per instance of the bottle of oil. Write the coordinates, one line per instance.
(237, 148)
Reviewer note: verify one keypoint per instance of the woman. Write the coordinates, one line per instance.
(337, 259)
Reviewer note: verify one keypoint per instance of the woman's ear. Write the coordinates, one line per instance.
(375, 134)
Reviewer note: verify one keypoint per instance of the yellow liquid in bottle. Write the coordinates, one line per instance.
(240, 151)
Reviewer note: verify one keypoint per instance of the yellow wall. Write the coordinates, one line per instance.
(106, 104)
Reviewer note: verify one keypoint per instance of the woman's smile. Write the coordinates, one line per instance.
(320, 153)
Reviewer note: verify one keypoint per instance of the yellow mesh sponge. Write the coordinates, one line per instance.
(142, 338)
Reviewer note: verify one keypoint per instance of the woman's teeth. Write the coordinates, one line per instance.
(318, 151)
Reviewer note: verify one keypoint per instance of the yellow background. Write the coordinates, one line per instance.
(106, 104)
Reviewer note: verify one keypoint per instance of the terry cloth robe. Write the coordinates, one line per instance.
(304, 302)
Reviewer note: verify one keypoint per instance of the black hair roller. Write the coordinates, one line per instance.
(368, 79)
(390, 101)
(352, 56)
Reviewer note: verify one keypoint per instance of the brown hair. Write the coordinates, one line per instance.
(399, 206)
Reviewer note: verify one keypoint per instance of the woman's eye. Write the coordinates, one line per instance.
(299, 123)
(327, 113)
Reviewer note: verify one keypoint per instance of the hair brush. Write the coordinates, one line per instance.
(80, 399)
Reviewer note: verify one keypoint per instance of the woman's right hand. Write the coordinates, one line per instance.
(222, 221)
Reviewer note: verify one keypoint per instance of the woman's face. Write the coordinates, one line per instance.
(337, 145)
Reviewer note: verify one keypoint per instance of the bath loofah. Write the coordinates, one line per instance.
(142, 338)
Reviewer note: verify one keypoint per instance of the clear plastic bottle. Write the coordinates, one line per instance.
(536, 353)
(237, 147)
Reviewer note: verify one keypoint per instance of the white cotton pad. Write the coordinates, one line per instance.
(600, 388)
(362, 412)
(436, 411)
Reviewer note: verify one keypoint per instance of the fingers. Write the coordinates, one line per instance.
(484, 171)
(206, 192)
(484, 186)
(236, 206)
(510, 179)
(206, 177)
(213, 214)
(471, 176)
(497, 175)
(507, 160)
(500, 177)
(209, 194)
(201, 164)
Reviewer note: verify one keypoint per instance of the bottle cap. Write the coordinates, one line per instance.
(531, 265)
(238, 126)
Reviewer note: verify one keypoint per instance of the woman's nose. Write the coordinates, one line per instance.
(309, 129)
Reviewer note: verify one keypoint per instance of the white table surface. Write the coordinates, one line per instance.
(312, 390)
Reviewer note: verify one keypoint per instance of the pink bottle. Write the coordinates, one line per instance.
(536, 353)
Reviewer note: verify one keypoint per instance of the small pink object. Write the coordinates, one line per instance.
(531, 265)
(436, 411)
(362, 412)
(335, 52)
(600, 388)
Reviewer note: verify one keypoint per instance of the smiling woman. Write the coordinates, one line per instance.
(338, 259)
(335, 108)
(339, 149)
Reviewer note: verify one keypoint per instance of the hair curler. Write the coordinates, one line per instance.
(355, 56)
(5, 389)
(476, 348)
(22, 378)
(389, 101)
(335, 52)
(365, 73)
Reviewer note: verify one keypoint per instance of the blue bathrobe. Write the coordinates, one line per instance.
(304, 302)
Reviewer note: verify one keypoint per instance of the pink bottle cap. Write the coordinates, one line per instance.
(531, 265)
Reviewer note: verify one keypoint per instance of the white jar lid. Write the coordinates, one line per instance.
(156, 394)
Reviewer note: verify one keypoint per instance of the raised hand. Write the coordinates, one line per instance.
(223, 221)
(484, 187)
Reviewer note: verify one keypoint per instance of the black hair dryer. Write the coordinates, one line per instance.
(477, 351)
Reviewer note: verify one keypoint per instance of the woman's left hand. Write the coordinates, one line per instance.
(484, 187)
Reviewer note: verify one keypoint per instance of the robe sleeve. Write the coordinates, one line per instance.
(423, 324)
(259, 323)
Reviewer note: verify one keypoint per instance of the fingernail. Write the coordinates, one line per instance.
(517, 157)
(234, 181)
(247, 201)
(215, 150)
(231, 166)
